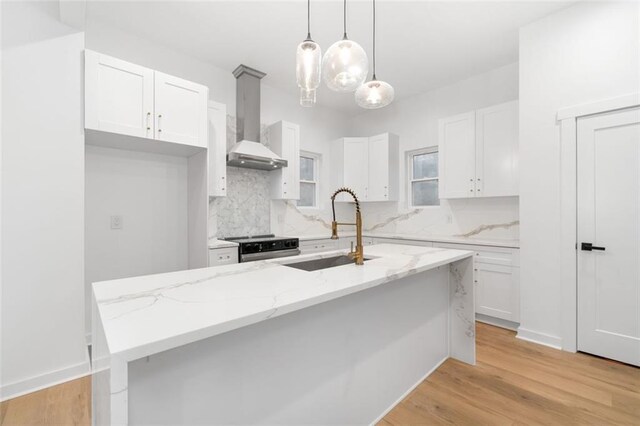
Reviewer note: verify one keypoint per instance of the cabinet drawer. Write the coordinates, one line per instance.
(225, 256)
(316, 246)
(482, 254)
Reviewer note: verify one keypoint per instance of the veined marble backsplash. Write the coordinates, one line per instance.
(246, 208)
(494, 218)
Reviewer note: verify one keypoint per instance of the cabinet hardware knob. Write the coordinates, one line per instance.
(471, 190)
(470, 180)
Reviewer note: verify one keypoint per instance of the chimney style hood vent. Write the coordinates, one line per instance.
(248, 151)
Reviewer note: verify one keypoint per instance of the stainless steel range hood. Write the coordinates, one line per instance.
(248, 151)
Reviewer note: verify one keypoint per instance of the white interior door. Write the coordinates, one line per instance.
(609, 219)
(181, 110)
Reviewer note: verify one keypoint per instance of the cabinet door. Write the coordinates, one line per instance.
(181, 110)
(217, 134)
(457, 156)
(356, 167)
(378, 187)
(497, 150)
(497, 291)
(118, 96)
(291, 153)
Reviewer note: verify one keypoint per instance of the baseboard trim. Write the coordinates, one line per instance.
(539, 338)
(404, 395)
(498, 322)
(42, 381)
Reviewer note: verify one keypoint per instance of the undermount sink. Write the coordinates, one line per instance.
(328, 262)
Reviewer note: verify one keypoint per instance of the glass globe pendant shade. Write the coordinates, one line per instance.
(374, 94)
(308, 60)
(345, 66)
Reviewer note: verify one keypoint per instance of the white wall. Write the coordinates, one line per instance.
(584, 53)
(415, 121)
(42, 204)
(149, 192)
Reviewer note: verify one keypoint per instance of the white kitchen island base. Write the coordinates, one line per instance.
(345, 361)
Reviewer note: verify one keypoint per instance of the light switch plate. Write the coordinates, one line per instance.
(116, 222)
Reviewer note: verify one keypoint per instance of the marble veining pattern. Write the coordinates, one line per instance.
(483, 228)
(190, 305)
(481, 219)
(461, 308)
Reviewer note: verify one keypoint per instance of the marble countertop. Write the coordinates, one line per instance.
(146, 315)
(216, 244)
(491, 242)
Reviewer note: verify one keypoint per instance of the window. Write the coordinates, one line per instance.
(423, 177)
(309, 165)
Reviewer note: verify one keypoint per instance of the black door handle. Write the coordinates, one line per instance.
(589, 247)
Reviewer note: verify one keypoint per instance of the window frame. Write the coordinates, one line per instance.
(410, 179)
(316, 157)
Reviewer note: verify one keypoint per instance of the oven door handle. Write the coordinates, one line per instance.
(269, 255)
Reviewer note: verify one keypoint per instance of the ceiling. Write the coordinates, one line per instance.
(421, 45)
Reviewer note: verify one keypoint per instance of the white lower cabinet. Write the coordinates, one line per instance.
(223, 256)
(497, 281)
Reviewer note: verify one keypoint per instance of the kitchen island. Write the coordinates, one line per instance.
(264, 342)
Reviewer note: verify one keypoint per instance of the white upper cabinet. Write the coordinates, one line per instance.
(284, 140)
(181, 110)
(350, 167)
(383, 168)
(356, 167)
(127, 99)
(369, 166)
(217, 149)
(479, 153)
(457, 156)
(119, 96)
(497, 150)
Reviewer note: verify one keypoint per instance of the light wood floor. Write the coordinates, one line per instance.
(517, 383)
(514, 383)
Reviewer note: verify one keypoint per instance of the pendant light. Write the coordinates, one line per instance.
(345, 65)
(375, 93)
(308, 58)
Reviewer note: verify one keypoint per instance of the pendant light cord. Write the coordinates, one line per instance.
(308, 20)
(374, 39)
(344, 17)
